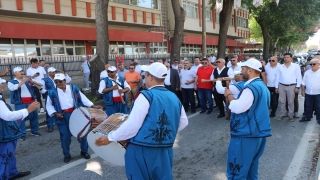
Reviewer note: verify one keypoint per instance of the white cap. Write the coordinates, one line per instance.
(156, 69)
(17, 69)
(237, 72)
(2, 81)
(252, 63)
(52, 69)
(59, 76)
(112, 68)
(84, 56)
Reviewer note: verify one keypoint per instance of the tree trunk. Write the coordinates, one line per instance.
(225, 17)
(179, 18)
(266, 38)
(102, 40)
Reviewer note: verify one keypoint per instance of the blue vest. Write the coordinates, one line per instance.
(255, 122)
(15, 96)
(48, 83)
(240, 85)
(160, 127)
(53, 94)
(107, 97)
(9, 130)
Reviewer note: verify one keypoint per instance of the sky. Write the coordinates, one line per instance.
(314, 40)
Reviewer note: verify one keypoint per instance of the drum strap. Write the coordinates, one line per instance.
(90, 120)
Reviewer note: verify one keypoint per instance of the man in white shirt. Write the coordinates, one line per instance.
(271, 75)
(85, 69)
(195, 68)
(61, 102)
(104, 73)
(212, 58)
(287, 83)
(249, 124)
(187, 79)
(37, 73)
(48, 83)
(113, 89)
(310, 89)
(137, 66)
(220, 72)
(150, 154)
(234, 65)
(9, 134)
(22, 95)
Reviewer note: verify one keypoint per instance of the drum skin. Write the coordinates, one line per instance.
(78, 121)
(112, 153)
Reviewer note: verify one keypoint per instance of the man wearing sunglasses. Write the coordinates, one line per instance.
(114, 90)
(133, 79)
(22, 95)
(310, 89)
(249, 123)
(175, 64)
(204, 88)
(48, 83)
(271, 74)
(220, 72)
(61, 102)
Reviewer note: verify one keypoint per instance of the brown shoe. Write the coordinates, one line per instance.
(280, 118)
(291, 118)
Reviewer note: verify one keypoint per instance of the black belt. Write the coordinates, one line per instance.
(288, 84)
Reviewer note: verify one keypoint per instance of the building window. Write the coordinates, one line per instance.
(191, 9)
(158, 48)
(190, 49)
(232, 21)
(153, 4)
(208, 14)
(212, 50)
(242, 22)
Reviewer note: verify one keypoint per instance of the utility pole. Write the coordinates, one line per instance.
(204, 33)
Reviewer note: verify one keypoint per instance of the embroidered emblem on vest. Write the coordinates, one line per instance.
(161, 133)
(234, 125)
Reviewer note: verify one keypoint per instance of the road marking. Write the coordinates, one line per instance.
(77, 162)
(298, 158)
(62, 168)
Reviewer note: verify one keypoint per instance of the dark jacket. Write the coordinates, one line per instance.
(174, 79)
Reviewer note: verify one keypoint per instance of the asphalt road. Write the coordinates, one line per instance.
(199, 153)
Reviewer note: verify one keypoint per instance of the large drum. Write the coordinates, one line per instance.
(113, 152)
(82, 119)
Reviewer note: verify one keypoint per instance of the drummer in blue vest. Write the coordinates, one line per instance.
(249, 124)
(156, 118)
(61, 102)
(9, 134)
(48, 83)
(114, 90)
(22, 95)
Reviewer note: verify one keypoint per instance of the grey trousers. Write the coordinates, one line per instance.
(86, 79)
(286, 93)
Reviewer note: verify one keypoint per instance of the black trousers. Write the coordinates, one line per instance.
(196, 91)
(219, 99)
(274, 99)
(38, 95)
(188, 97)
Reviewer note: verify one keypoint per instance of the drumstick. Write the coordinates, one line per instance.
(214, 80)
(229, 111)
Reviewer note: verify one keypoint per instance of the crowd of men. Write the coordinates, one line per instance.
(220, 83)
